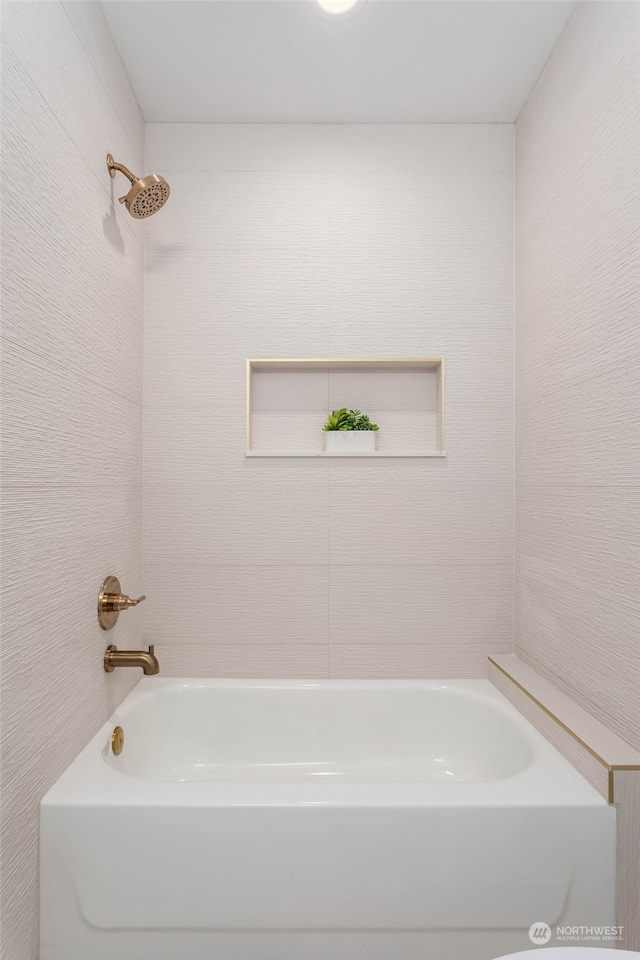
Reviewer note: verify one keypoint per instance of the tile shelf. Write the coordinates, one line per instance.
(288, 400)
(330, 453)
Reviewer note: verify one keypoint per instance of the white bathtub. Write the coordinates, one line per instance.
(268, 820)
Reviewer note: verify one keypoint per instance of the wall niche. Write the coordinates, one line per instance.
(288, 402)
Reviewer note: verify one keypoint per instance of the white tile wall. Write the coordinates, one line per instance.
(303, 241)
(429, 603)
(578, 354)
(72, 410)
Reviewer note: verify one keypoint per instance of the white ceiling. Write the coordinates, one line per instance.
(389, 61)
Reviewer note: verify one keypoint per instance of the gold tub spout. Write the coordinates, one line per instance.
(131, 658)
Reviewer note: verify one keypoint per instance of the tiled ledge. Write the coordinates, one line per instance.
(590, 746)
(609, 763)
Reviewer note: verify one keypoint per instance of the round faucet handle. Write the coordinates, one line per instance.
(112, 601)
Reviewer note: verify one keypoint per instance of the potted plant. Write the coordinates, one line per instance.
(349, 431)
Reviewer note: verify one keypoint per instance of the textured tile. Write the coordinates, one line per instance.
(54, 425)
(209, 317)
(239, 146)
(568, 521)
(371, 661)
(187, 369)
(85, 245)
(72, 411)
(577, 358)
(562, 624)
(429, 604)
(302, 431)
(286, 391)
(43, 40)
(626, 787)
(438, 149)
(90, 25)
(256, 210)
(212, 605)
(418, 523)
(252, 520)
(340, 241)
(404, 212)
(182, 658)
(207, 440)
(395, 391)
(558, 452)
(449, 298)
(257, 300)
(55, 543)
(577, 398)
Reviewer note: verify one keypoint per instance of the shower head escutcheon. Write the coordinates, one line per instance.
(147, 194)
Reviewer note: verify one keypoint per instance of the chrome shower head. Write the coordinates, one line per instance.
(147, 194)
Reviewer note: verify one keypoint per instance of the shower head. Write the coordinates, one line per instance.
(147, 194)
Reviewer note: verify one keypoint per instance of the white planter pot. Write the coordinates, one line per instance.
(350, 441)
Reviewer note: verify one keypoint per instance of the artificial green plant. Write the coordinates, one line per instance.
(349, 420)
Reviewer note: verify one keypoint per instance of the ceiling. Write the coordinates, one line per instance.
(285, 61)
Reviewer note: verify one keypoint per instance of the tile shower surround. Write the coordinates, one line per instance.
(328, 241)
(73, 265)
(577, 360)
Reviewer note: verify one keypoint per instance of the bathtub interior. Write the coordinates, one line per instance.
(306, 731)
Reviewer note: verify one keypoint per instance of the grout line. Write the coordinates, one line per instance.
(514, 459)
(329, 123)
(329, 182)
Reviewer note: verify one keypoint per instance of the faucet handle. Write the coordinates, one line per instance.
(126, 602)
(111, 601)
(119, 601)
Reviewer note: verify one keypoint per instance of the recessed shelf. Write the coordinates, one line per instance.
(288, 401)
(331, 453)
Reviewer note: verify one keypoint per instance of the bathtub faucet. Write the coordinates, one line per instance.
(131, 658)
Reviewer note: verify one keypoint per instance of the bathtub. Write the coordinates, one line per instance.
(332, 820)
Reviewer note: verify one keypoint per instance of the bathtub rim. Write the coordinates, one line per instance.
(549, 780)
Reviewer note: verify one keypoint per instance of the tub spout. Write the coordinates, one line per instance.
(131, 658)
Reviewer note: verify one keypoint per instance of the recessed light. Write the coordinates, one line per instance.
(337, 6)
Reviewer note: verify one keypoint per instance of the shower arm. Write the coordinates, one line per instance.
(121, 167)
(112, 166)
